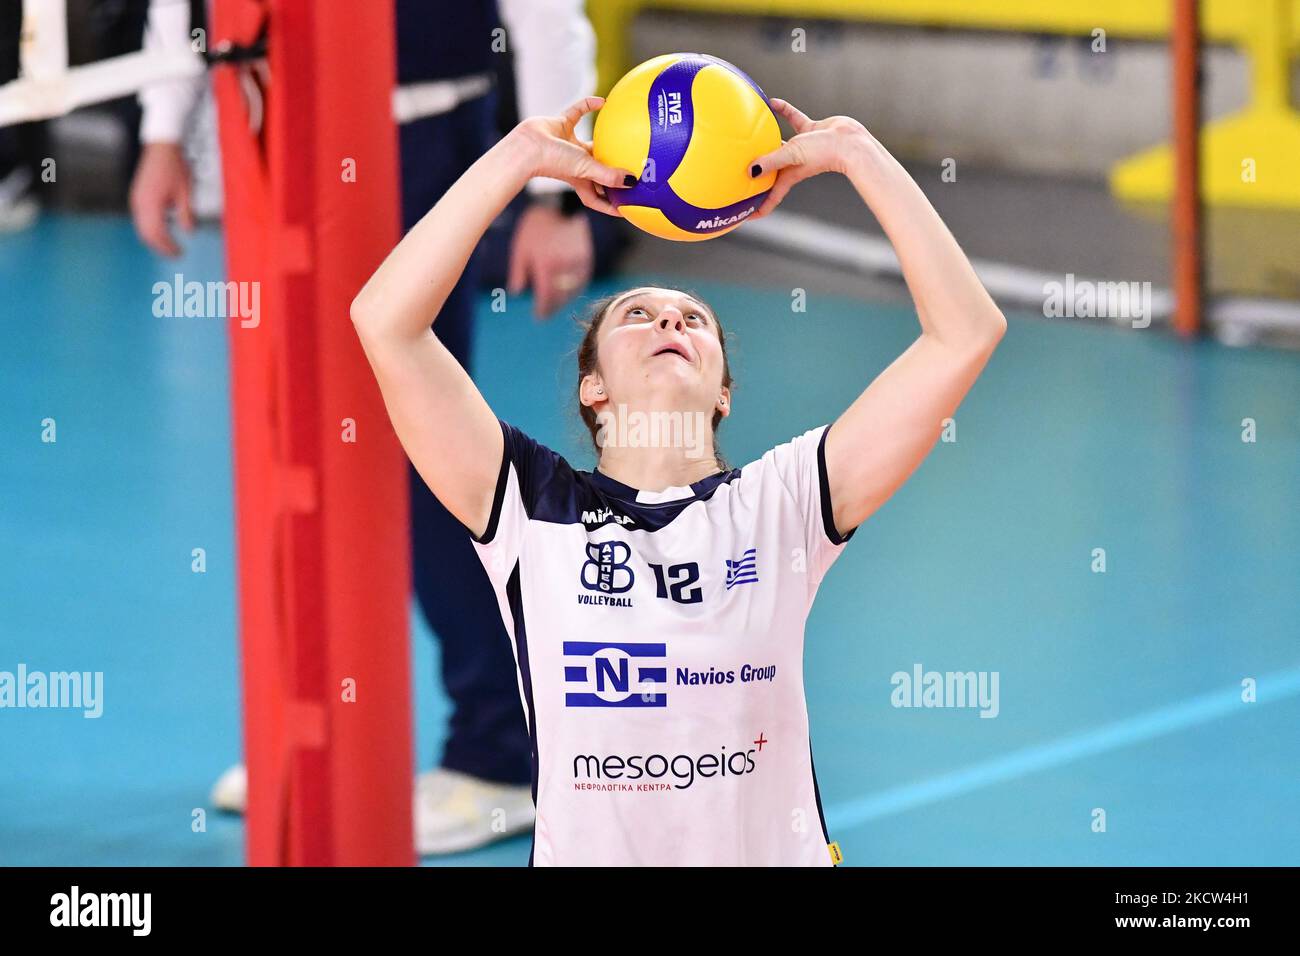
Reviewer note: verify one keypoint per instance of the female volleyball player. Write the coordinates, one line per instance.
(656, 604)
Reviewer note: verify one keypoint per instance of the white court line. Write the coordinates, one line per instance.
(1140, 727)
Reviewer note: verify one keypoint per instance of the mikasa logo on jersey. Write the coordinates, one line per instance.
(609, 674)
(605, 515)
(670, 108)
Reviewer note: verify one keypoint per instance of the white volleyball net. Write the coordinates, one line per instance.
(48, 84)
(73, 75)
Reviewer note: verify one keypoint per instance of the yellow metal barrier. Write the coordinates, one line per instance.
(1249, 158)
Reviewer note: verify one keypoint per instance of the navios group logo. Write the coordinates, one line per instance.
(612, 674)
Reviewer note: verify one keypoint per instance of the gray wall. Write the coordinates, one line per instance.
(1012, 101)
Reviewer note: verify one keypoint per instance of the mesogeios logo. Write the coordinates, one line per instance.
(647, 772)
(609, 674)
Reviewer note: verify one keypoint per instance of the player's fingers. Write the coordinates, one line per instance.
(589, 168)
(798, 119)
(581, 108)
(784, 181)
(790, 153)
(587, 193)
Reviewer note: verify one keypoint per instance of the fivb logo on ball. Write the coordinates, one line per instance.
(670, 108)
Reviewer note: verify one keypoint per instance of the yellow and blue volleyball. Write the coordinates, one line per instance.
(689, 125)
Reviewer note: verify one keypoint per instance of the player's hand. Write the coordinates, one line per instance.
(818, 146)
(553, 254)
(161, 185)
(556, 152)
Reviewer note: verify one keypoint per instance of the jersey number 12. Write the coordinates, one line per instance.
(676, 582)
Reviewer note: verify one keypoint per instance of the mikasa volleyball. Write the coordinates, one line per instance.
(689, 124)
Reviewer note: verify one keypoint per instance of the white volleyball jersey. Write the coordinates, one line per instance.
(659, 643)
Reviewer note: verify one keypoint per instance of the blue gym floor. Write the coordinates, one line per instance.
(1119, 691)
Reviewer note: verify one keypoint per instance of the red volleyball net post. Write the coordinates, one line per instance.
(320, 480)
(1186, 214)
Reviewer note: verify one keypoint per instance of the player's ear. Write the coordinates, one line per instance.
(724, 402)
(592, 391)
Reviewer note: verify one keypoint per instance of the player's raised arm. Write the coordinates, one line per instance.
(443, 422)
(876, 444)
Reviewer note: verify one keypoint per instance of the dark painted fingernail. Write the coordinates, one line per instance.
(629, 180)
(755, 169)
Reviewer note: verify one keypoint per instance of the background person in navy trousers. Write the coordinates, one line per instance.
(461, 78)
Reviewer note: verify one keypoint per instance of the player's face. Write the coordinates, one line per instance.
(660, 348)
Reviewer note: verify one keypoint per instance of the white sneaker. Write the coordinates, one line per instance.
(18, 209)
(230, 792)
(455, 812)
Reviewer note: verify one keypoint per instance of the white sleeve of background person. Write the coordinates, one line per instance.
(554, 47)
(167, 105)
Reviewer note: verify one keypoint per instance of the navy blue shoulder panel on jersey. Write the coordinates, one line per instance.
(828, 512)
(552, 490)
(542, 474)
(620, 500)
